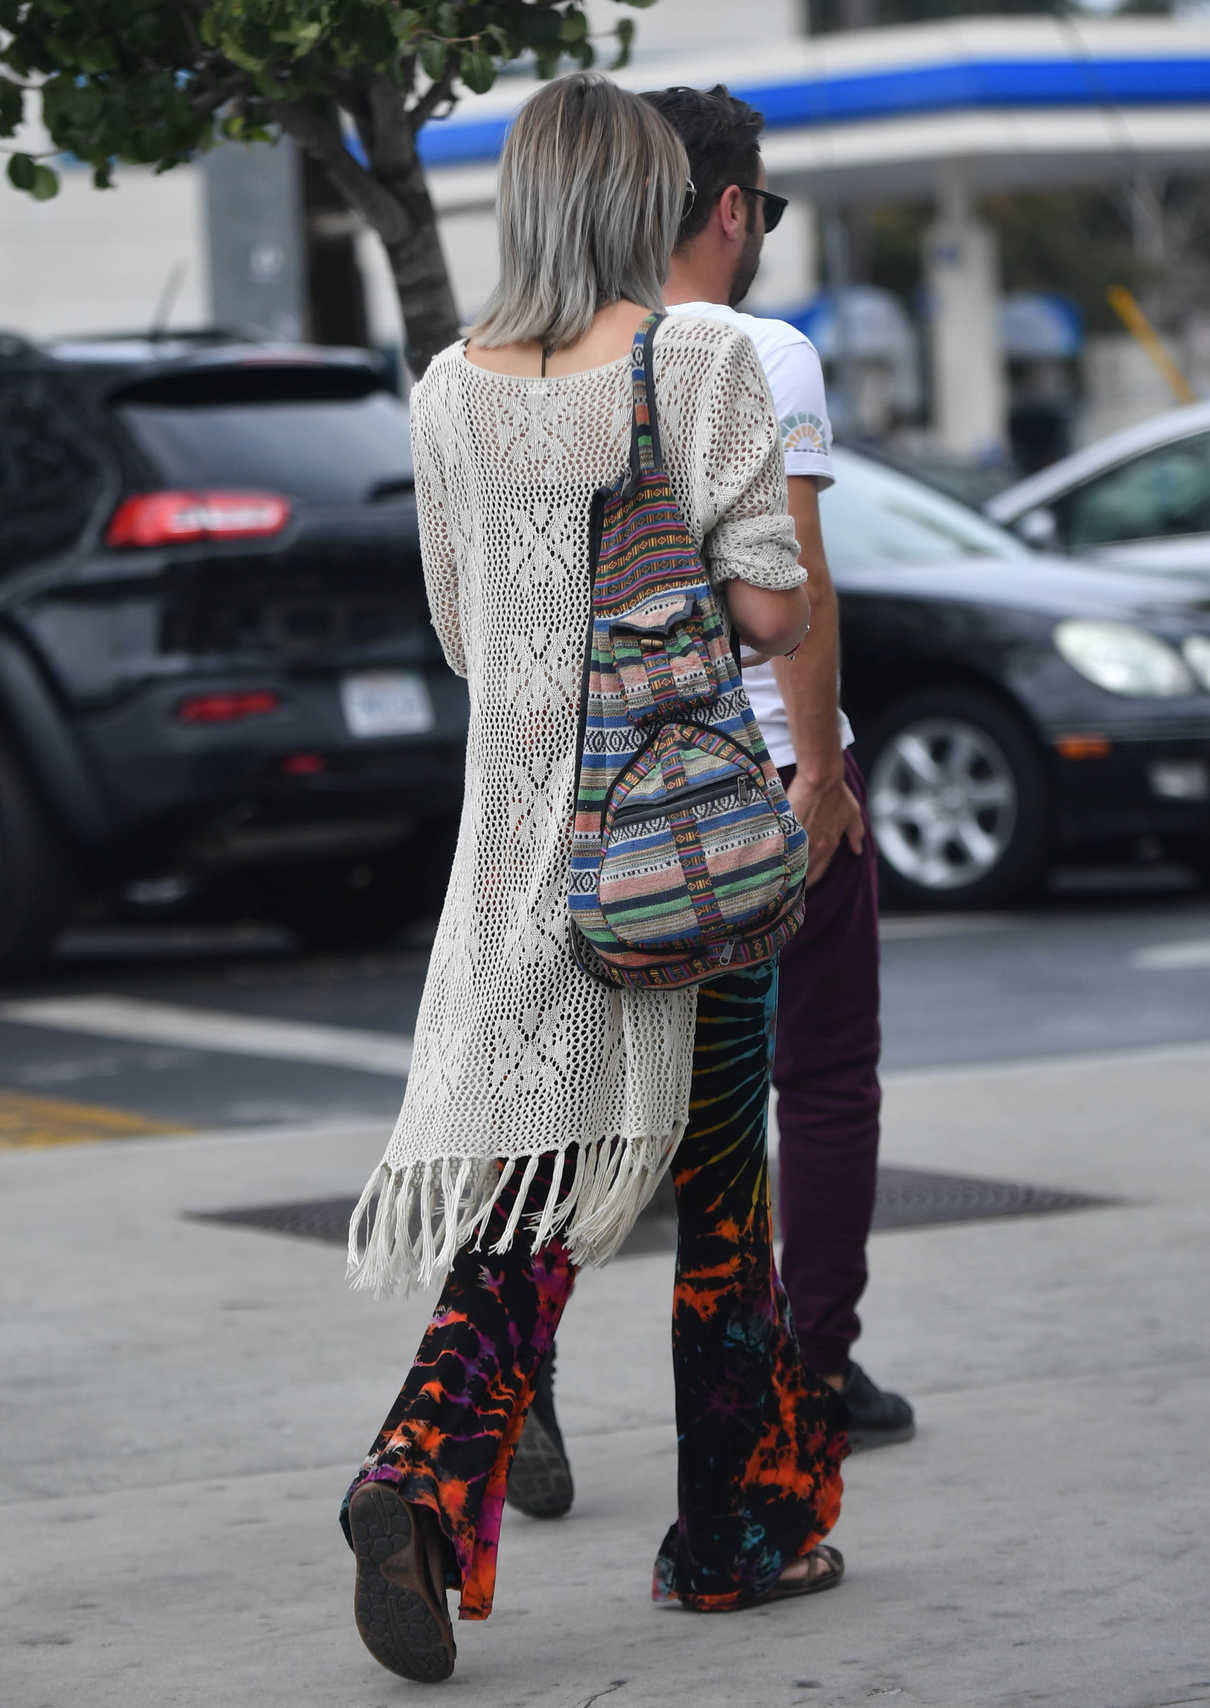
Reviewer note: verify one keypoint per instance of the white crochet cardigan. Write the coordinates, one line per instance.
(517, 1051)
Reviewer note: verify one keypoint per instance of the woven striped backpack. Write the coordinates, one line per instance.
(686, 857)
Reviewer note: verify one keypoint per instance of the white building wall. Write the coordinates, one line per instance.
(99, 260)
(681, 27)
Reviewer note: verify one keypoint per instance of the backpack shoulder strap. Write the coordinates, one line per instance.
(645, 455)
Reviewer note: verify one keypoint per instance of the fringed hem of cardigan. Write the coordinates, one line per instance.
(411, 1222)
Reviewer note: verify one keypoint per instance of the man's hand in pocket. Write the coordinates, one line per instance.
(829, 813)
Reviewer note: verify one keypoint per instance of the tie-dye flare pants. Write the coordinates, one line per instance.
(760, 1441)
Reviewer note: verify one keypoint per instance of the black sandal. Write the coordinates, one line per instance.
(399, 1600)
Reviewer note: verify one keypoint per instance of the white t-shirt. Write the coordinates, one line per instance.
(795, 377)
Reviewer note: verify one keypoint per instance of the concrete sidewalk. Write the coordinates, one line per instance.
(184, 1402)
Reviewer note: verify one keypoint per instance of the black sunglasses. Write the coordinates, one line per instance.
(775, 206)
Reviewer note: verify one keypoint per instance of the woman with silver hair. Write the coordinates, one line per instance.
(543, 1107)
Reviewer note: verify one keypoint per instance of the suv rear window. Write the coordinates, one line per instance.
(326, 436)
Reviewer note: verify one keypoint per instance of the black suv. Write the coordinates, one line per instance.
(215, 653)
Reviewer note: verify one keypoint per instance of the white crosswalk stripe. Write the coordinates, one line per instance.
(211, 1029)
(1172, 957)
(906, 927)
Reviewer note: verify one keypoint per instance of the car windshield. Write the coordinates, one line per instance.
(324, 436)
(1161, 494)
(875, 517)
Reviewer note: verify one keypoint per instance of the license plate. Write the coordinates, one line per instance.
(386, 702)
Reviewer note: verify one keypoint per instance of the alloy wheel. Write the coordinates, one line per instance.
(943, 803)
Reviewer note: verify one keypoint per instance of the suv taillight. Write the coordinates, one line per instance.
(179, 518)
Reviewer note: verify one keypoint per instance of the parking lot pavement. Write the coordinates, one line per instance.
(185, 1400)
(210, 1030)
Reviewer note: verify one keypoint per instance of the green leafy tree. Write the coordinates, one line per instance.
(155, 82)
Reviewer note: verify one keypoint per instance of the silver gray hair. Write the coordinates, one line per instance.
(592, 188)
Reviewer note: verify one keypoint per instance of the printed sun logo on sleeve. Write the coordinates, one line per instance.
(804, 432)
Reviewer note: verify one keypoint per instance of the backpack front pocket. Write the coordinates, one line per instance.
(693, 848)
(661, 655)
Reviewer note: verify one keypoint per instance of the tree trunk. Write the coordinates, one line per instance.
(336, 298)
(422, 281)
(391, 195)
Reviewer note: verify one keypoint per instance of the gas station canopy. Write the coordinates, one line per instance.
(897, 114)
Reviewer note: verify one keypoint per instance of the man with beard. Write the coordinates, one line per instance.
(828, 1039)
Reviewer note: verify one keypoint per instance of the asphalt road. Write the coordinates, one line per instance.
(149, 1029)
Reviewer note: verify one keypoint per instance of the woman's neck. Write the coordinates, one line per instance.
(608, 339)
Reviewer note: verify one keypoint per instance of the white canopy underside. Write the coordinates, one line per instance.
(908, 159)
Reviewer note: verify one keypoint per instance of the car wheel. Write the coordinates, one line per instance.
(958, 802)
(37, 877)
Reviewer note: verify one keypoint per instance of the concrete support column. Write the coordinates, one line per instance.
(962, 279)
(254, 218)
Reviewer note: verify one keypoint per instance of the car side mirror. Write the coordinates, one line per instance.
(1038, 528)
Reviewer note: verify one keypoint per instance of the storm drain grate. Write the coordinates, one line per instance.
(921, 1198)
(907, 1198)
(328, 1219)
(319, 1218)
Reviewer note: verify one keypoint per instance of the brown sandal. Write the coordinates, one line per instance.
(399, 1601)
(812, 1584)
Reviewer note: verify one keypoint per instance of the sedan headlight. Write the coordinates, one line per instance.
(1122, 659)
(1197, 656)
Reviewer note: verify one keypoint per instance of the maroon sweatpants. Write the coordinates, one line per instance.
(825, 1071)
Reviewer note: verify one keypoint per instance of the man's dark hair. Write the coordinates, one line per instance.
(721, 135)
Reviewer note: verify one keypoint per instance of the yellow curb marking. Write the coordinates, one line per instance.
(32, 1123)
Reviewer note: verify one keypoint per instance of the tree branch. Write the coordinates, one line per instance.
(209, 101)
(351, 98)
(190, 23)
(394, 149)
(318, 131)
(434, 95)
(396, 206)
